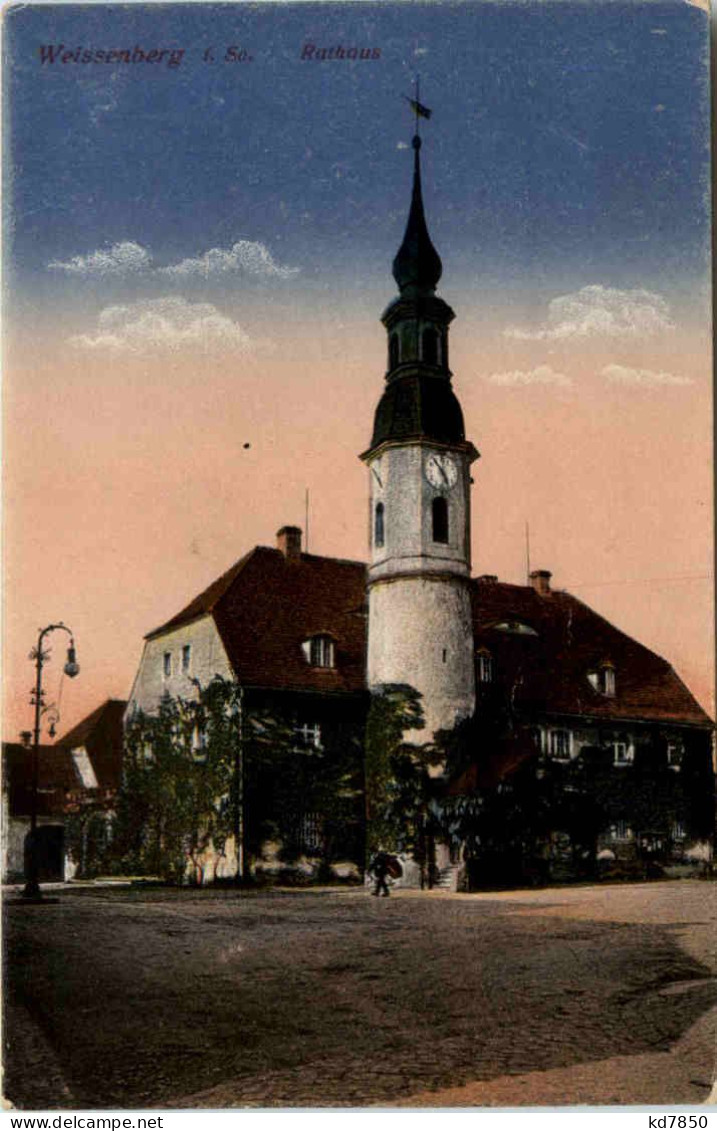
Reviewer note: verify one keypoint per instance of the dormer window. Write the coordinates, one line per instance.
(603, 680)
(516, 627)
(84, 768)
(484, 667)
(320, 651)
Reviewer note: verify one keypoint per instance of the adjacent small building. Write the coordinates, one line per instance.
(56, 778)
(80, 774)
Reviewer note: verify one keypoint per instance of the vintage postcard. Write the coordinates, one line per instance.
(358, 649)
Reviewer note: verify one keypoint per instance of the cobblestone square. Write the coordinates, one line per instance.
(117, 997)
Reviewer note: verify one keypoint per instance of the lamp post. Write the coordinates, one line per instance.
(71, 669)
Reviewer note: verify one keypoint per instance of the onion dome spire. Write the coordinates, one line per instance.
(417, 266)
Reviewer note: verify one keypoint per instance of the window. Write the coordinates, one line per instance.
(429, 346)
(440, 519)
(603, 680)
(394, 354)
(675, 752)
(621, 830)
(310, 734)
(167, 665)
(560, 744)
(516, 627)
(186, 658)
(485, 667)
(84, 768)
(678, 830)
(378, 531)
(623, 752)
(310, 833)
(320, 651)
(199, 744)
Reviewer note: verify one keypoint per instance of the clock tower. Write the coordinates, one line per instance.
(420, 628)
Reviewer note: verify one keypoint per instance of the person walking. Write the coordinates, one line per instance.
(380, 869)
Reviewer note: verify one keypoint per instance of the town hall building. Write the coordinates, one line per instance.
(559, 696)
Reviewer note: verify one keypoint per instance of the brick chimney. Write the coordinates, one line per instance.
(288, 541)
(540, 580)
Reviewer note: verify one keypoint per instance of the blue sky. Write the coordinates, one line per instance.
(565, 145)
(198, 257)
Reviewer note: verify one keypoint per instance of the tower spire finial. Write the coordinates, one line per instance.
(417, 266)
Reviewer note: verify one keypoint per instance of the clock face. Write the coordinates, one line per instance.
(441, 472)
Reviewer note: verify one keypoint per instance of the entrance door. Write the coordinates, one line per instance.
(50, 853)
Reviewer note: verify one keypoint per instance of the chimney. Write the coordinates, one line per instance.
(288, 541)
(540, 580)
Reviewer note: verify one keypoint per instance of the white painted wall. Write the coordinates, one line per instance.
(420, 633)
(208, 658)
(420, 629)
(15, 829)
(407, 498)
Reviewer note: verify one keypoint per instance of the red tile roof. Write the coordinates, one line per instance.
(277, 603)
(56, 777)
(267, 605)
(548, 672)
(101, 734)
(206, 600)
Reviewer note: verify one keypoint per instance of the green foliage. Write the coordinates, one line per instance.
(398, 784)
(204, 770)
(178, 794)
(88, 840)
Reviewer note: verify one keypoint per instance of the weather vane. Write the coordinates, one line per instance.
(418, 108)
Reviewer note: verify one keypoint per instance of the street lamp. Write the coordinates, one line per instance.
(71, 669)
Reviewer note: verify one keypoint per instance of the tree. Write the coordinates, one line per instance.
(176, 803)
(399, 787)
(206, 770)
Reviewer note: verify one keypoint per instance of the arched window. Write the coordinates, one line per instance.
(394, 353)
(378, 532)
(429, 345)
(440, 519)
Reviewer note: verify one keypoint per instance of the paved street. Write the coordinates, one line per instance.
(124, 998)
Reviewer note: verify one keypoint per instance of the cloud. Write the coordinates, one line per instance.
(597, 311)
(246, 256)
(541, 375)
(164, 325)
(626, 375)
(125, 258)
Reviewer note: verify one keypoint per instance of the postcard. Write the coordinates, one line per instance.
(358, 532)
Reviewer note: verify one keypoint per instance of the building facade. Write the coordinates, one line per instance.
(581, 749)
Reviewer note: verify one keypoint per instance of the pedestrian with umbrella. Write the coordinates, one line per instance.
(384, 864)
